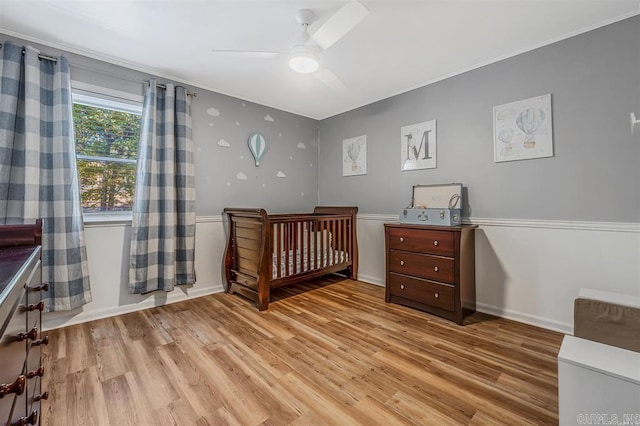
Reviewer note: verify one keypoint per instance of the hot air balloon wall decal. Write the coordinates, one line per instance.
(523, 130)
(258, 146)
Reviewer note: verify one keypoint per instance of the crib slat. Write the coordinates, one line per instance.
(351, 243)
(346, 239)
(330, 235)
(278, 248)
(332, 246)
(314, 242)
(321, 236)
(338, 247)
(287, 247)
(296, 245)
(307, 244)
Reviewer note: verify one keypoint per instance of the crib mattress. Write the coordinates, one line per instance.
(318, 261)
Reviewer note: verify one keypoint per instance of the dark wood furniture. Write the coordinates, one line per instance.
(21, 308)
(267, 251)
(432, 268)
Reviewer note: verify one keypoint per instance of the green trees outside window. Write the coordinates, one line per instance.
(107, 148)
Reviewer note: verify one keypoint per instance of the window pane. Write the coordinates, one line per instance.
(106, 186)
(106, 133)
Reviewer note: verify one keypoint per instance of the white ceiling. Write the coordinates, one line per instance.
(400, 45)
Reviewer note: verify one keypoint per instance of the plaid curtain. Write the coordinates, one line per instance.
(38, 172)
(163, 226)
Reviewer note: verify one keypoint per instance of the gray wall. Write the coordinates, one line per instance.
(292, 143)
(594, 79)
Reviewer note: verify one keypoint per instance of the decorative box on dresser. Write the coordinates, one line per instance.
(21, 308)
(432, 268)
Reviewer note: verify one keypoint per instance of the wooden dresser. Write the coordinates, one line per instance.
(432, 268)
(21, 308)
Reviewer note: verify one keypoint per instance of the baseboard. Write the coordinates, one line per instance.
(82, 317)
(371, 280)
(525, 318)
(499, 312)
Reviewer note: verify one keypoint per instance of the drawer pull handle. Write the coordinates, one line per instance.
(435, 268)
(38, 306)
(44, 395)
(41, 287)
(32, 419)
(39, 372)
(402, 263)
(31, 335)
(435, 243)
(437, 295)
(16, 387)
(401, 286)
(402, 239)
(43, 341)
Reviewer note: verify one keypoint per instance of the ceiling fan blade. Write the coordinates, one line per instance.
(329, 79)
(247, 54)
(339, 24)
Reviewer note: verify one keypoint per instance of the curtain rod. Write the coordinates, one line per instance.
(40, 56)
(55, 60)
(164, 86)
(45, 57)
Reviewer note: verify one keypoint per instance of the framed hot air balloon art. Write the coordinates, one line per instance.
(354, 156)
(523, 130)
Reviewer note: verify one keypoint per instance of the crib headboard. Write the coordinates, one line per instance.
(246, 249)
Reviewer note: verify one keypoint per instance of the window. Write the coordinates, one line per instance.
(107, 133)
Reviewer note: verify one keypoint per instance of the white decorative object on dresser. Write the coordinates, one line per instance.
(436, 205)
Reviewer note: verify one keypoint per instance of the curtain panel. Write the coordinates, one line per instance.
(164, 219)
(38, 171)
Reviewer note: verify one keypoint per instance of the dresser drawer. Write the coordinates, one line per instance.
(423, 291)
(12, 344)
(423, 241)
(422, 265)
(12, 357)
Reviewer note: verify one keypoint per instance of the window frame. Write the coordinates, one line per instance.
(102, 97)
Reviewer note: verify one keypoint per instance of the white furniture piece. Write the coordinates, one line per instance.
(599, 383)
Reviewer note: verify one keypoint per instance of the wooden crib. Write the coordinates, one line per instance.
(267, 251)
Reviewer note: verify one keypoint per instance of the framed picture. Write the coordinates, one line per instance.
(523, 130)
(418, 146)
(354, 156)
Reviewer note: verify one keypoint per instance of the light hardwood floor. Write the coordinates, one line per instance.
(336, 354)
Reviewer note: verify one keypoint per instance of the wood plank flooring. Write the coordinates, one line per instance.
(333, 354)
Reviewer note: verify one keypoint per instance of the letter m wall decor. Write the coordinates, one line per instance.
(418, 146)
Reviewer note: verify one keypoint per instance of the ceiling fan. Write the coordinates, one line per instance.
(303, 56)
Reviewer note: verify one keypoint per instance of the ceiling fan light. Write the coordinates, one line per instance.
(304, 61)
